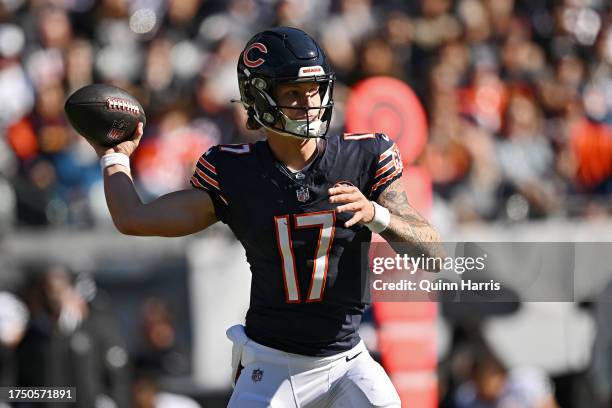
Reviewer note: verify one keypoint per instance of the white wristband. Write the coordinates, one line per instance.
(115, 158)
(381, 219)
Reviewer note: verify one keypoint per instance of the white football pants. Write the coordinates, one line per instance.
(276, 379)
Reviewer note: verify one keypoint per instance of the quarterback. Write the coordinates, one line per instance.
(301, 202)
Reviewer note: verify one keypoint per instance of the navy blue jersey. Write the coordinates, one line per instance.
(306, 291)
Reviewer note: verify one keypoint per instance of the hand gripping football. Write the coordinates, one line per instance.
(104, 114)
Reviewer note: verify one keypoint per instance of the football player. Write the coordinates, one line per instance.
(302, 203)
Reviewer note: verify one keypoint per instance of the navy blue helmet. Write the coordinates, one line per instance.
(278, 56)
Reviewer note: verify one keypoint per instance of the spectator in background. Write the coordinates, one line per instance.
(160, 354)
(492, 385)
(79, 64)
(592, 146)
(16, 93)
(215, 87)
(526, 159)
(13, 320)
(69, 342)
(434, 26)
(166, 158)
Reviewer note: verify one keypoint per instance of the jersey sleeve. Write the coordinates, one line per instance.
(207, 176)
(387, 165)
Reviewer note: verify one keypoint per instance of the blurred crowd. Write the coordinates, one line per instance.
(59, 328)
(518, 94)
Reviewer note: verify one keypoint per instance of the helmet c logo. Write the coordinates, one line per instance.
(249, 62)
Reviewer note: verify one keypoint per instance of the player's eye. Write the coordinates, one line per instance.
(314, 90)
(295, 94)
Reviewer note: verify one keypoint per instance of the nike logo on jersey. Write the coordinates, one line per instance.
(351, 358)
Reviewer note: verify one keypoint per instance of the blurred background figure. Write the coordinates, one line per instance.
(14, 318)
(492, 384)
(69, 341)
(159, 354)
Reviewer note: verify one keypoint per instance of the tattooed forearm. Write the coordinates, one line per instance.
(408, 231)
(406, 223)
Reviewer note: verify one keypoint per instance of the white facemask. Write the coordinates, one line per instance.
(301, 127)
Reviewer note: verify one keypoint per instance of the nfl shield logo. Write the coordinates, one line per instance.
(117, 130)
(257, 375)
(302, 194)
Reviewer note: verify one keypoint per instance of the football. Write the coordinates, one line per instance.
(104, 114)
